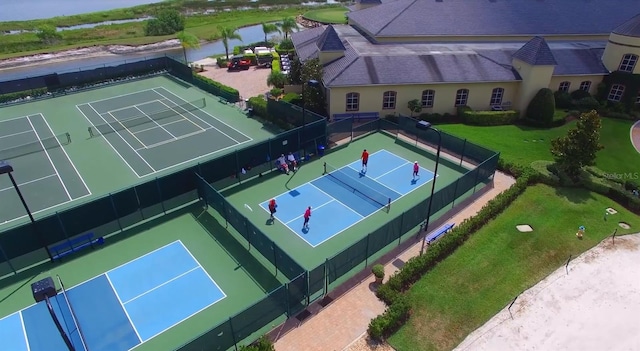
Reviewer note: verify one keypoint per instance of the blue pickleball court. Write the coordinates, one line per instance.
(346, 196)
(120, 309)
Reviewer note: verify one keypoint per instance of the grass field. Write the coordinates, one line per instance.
(497, 263)
(523, 145)
(328, 15)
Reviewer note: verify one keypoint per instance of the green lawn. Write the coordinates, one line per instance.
(497, 263)
(328, 15)
(521, 144)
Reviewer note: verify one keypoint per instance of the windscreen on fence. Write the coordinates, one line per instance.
(292, 113)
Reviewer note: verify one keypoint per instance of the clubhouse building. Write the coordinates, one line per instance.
(478, 53)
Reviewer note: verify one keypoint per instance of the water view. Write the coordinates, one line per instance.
(35, 9)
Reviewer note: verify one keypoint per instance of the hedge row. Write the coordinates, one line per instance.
(398, 310)
(275, 65)
(22, 94)
(213, 87)
(489, 118)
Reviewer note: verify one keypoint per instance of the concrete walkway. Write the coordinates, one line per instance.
(635, 136)
(342, 325)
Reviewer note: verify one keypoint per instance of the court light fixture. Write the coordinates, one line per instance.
(428, 126)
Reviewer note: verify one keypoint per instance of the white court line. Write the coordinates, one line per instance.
(302, 215)
(177, 104)
(171, 141)
(13, 119)
(207, 113)
(154, 121)
(14, 134)
(29, 182)
(125, 128)
(68, 158)
(49, 158)
(152, 128)
(205, 271)
(121, 95)
(126, 142)
(181, 115)
(24, 332)
(201, 156)
(393, 170)
(45, 209)
(123, 308)
(108, 142)
(130, 106)
(161, 285)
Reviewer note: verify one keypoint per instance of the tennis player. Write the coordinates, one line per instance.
(365, 160)
(416, 169)
(272, 207)
(307, 215)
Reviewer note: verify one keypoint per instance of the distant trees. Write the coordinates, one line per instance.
(268, 28)
(48, 34)
(188, 41)
(166, 22)
(288, 26)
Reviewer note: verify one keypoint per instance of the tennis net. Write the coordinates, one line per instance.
(35, 146)
(71, 321)
(350, 179)
(171, 111)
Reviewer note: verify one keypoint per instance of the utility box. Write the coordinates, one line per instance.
(43, 288)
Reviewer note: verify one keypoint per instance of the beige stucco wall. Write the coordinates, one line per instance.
(617, 47)
(534, 78)
(445, 95)
(575, 81)
(480, 38)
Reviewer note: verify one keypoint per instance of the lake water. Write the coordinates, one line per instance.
(21, 10)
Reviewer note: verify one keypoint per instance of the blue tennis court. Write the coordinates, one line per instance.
(345, 196)
(120, 309)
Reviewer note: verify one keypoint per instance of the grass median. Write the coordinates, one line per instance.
(497, 263)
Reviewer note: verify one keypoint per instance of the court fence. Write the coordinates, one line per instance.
(90, 77)
(291, 113)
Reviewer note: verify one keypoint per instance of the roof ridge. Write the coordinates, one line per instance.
(536, 52)
(396, 16)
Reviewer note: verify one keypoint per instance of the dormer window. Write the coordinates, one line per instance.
(628, 63)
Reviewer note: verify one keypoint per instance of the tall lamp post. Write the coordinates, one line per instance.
(311, 83)
(6, 168)
(427, 125)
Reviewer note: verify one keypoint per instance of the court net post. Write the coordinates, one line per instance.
(325, 168)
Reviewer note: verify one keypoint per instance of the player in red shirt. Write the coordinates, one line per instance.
(365, 159)
(272, 207)
(416, 169)
(307, 215)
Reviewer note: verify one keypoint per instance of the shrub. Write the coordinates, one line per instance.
(216, 88)
(489, 118)
(390, 320)
(620, 115)
(286, 45)
(542, 107)
(578, 94)
(392, 118)
(222, 63)
(587, 103)
(562, 99)
(275, 65)
(292, 98)
(275, 92)
(259, 106)
(22, 94)
(252, 57)
(460, 110)
(262, 344)
(168, 21)
(546, 176)
(378, 271)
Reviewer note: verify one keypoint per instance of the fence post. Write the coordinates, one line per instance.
(160, 193)
(115, 211)
(326, 277)
(455, 194)
(613, 236)
(366, 257)
(4, 255)
(475, 182)
(233, 334)
(464, 147)
(275, 257)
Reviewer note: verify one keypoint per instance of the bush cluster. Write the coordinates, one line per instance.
(22, 95)
(489, 118)
(262, 344)
(213, 87)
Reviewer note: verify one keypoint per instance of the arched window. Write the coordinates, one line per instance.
(564, 86)
(586, 85)
(353, 101)
(462, 95)
(389, 100)
(428, 96)
(628, 63)
(616, 92)
(496, 97)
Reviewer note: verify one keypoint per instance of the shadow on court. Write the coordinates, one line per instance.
(260, 275)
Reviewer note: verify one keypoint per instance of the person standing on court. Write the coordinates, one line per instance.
(272, 207)
(416, 169)
(307, 215)
(365, 160)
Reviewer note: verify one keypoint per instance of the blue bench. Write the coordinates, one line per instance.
(433, 236)
(74, 245)
(357, 117)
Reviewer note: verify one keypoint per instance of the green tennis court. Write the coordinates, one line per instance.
(74, 147)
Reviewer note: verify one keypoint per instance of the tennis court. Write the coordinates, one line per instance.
(153, 130)
(345, 196)
(120, 309)
(43, 171)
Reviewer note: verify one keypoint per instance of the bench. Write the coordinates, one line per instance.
(433, 236)
(74, 245)
(355, 116)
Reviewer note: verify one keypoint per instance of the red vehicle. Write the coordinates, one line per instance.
(239, 63)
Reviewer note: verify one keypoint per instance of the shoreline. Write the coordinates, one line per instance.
(86, 53)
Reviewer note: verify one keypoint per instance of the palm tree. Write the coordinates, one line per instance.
(227, 33)
(269, 28)
(188, 41)
(288, 25)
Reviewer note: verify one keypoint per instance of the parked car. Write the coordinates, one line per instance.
(238, 63)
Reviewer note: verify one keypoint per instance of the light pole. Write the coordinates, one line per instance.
(6, 168)
(312, 83)
(428, 125)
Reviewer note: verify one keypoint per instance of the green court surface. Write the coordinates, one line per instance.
(242, 279)
(255, 193)
(141, 129)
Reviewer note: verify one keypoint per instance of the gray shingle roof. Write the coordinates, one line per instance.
(505, 17)
(370, 2)
(631, 28)
(305, 42)
(329, 40)
(536, 52)
(579, 61)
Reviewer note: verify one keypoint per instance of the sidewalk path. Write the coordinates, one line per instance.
(635, 136)
(342, 325)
